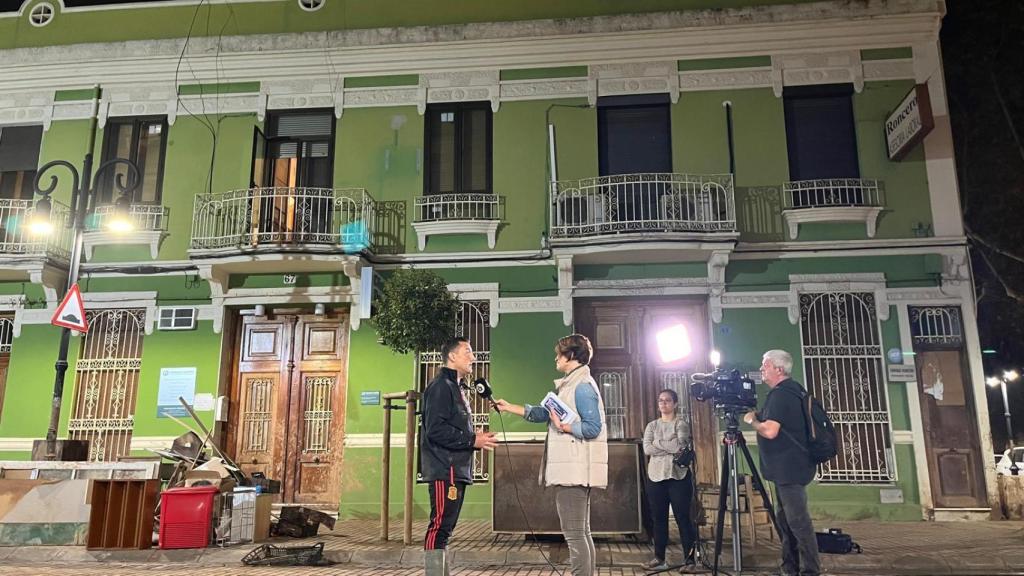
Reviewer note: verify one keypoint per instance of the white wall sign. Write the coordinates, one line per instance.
(909, 123)
(902, 373)
(175, 383)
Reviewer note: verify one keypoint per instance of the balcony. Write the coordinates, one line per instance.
(149, 227)
(831, 200)
(658, 204)
(438, 214)
(256, 220)
(17, 241)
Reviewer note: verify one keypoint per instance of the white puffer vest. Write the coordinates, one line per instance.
(570, 461)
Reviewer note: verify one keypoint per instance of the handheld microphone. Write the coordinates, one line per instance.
(483, 388)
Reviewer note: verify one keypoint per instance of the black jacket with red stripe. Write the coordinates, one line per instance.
(447, 436)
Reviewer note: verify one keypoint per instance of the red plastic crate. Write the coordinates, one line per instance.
(185, 516)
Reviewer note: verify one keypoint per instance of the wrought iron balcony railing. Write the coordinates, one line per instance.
(647, 203)
(17, 239)
(831, 193)
(144, 217)
(442, 207)
(283, 218)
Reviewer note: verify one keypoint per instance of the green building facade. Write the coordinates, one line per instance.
(612, 168)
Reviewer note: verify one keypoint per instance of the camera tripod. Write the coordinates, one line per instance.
(731, 438)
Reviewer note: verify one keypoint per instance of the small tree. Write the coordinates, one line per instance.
(416, 312)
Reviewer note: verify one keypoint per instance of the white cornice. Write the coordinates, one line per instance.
(839, 27)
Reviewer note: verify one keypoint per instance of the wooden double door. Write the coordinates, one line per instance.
(631, 371)
(287, 402)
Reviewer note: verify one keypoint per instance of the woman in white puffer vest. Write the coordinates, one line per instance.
(576, 454)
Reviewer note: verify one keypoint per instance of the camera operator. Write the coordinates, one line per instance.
(782, 446)
(666, 441)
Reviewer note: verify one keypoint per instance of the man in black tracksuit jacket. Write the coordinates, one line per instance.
(446, 449)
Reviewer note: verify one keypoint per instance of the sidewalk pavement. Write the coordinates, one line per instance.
(911, 548)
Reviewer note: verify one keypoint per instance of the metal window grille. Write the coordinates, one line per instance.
(259, 402)
(613, 386)
(107, 382)
(843, 362)
(473, 323)
(936, 326)
(317, 413)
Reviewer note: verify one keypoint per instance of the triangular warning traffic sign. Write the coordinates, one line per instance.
(71, 312)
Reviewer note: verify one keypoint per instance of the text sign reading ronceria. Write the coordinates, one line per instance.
(909, 123)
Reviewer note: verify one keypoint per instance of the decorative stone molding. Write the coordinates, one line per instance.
(108, 300)
(26, 108)
(151, 238)
(424, 230)
(855, 282)
(755, 299)
(469, 86)
(696, 80)
(867, 214)
(15, 304)
(817, 68)
(634, 78)
(480, 291)
(565, 287)
(367, 97)
(151, 100)
(353, 269)
(898, 69)
(716, 282)
(512, 90)
(529, 304)
(51, 279)
(915, 295)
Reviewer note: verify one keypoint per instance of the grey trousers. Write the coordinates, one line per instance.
(573, 504)
(799, 544)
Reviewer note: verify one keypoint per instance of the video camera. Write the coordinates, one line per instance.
(725, 389)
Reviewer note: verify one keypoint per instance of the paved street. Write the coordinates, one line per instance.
(132, 570)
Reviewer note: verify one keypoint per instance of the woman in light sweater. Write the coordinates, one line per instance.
(668, 483)
(575, 455)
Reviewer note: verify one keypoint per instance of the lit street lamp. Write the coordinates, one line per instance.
(1008, 376)
(83, 199)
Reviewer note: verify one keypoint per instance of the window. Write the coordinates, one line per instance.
(19, 158)
(843, 364)
(299, 150)
(458, 149)
(634, 134)
(820, 133)
(143, 141)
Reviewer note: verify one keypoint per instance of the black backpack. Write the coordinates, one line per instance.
(821, 432)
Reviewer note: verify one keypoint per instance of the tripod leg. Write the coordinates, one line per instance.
(759, 483)
(723, 490)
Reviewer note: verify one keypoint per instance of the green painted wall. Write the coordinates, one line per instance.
(900, 271)
(176, 349)
(29, 389)
(640, 271)
(575, 139)
(520, 161)
(512, 280)
(276, 280)
(286, 16)
(373, 367)
(171, 290)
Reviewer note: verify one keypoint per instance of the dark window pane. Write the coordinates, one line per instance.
(442, 152)
(19, 147)
(150, 143)
(475, 150)
(634, 139)
(820, 133)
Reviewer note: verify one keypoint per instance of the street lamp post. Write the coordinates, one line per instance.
(83, 188)
(1008, 376)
